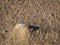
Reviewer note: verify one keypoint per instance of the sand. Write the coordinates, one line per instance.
(43, 13)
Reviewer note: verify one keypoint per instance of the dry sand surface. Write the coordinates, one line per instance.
(43, 13)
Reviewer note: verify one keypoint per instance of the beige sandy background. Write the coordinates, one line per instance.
(42, 13)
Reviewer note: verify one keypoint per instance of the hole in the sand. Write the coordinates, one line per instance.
(6, 30)
(52, 14)
(33, 27)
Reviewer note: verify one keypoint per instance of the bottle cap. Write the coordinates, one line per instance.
(22, 25)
